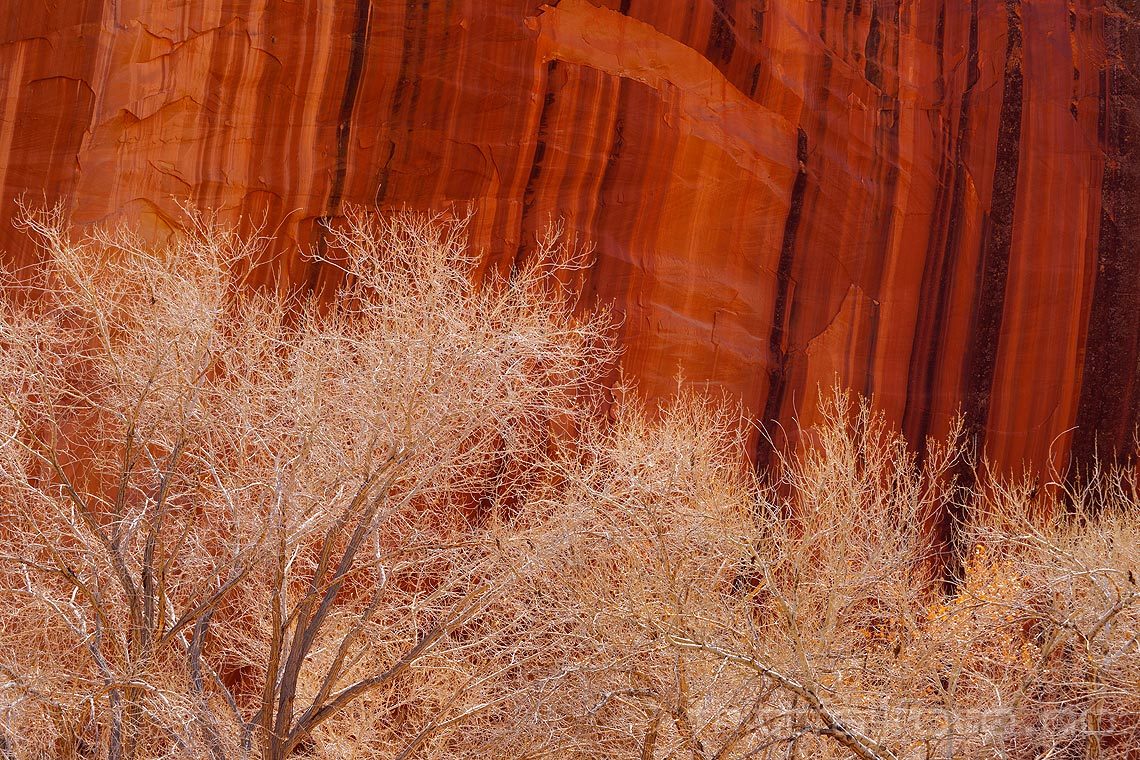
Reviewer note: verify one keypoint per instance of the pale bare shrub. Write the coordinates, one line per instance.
(230, 518)
(402, 523)
(729, 620)
(720, 618)
(1040, 645)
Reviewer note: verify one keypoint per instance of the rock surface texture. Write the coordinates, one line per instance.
(936, 200)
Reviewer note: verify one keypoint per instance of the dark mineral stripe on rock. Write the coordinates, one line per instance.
(607, 186)
(790, 312)
(941, 258)
(722, 37)
(885, 168)
(757, 34)
(934, 243)
(539, 153)
(348, 100)
(1107, 414)
(989, 290)
(358, 46)
(777, 339)
(406, 90)
(873, 69)
(940, 47)
(993, 269)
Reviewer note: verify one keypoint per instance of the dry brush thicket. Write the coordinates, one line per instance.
(412, 523)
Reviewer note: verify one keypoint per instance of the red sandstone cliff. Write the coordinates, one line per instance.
(939, 200)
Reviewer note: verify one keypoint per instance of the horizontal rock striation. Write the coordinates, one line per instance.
(934, 200)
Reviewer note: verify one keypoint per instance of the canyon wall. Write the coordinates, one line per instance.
(937, 201)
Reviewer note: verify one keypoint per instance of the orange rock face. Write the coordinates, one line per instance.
(937, 201)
